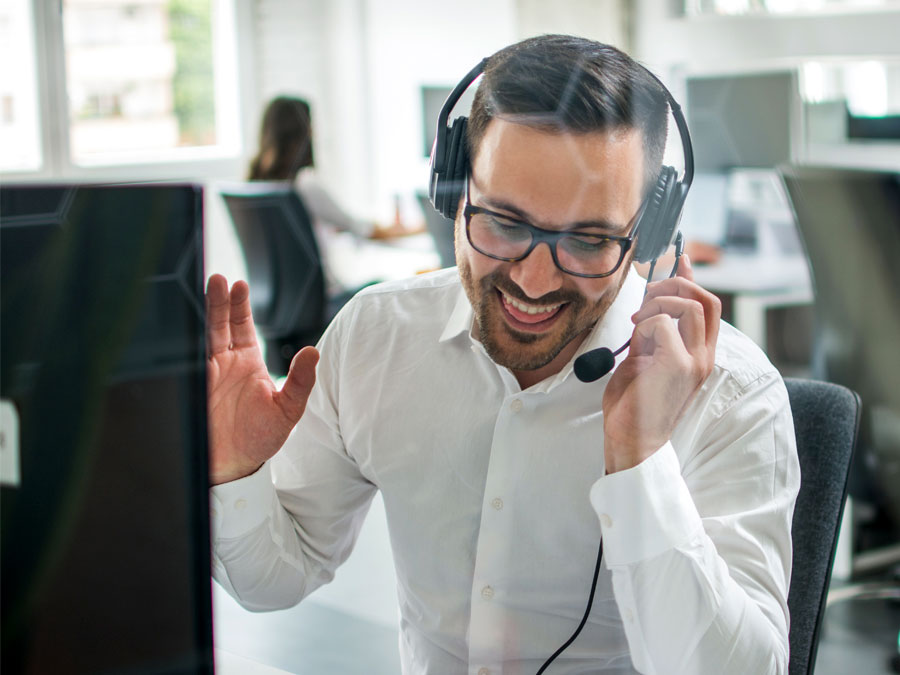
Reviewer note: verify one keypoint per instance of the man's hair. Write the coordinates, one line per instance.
(285, 140)
(562, 83)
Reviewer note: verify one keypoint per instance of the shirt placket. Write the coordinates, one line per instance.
(488, 616)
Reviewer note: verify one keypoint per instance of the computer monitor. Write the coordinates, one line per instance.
(746, 120)
(849, 220)
(104, 498)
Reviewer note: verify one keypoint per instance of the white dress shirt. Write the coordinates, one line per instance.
(496, 500)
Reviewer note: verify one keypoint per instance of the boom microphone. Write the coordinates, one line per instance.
(596, 363)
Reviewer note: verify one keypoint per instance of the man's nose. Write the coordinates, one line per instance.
(537, 274)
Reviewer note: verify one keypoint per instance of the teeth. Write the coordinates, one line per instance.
(529, 309)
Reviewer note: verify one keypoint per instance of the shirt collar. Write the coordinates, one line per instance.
(611, 331)
(461, 318)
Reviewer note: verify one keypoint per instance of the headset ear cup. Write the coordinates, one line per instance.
(451, 181)
(656, 228)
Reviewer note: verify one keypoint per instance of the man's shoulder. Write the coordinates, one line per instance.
(741, 366)
(433, 283)
(424, 300)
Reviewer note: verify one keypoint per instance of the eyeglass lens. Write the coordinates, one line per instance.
(578, 253)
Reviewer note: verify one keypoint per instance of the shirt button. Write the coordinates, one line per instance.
(497, 503)
(240, 504)
(487, 592)
(516, 405)
(484, 671)
(605, 520)
(629, 615)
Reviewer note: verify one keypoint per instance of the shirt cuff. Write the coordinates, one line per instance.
(241, 505)
(646, 510)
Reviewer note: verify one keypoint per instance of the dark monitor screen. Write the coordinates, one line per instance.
(741, 120)
(104, 499)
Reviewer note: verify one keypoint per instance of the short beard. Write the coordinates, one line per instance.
(491, 327)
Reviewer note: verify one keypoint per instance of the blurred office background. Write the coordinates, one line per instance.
(124, 90)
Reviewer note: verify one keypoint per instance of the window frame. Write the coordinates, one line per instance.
(233, 67)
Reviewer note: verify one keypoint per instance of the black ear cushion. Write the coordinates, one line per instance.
(655, 229)
(450, 183)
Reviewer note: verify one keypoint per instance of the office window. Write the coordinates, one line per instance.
(101, 84)
(19, 118)
(140, 78)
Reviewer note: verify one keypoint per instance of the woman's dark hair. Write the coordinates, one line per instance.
(570, 84)
(285, 140)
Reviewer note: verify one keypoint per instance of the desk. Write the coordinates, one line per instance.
(354, 262)
(232, 664)
(310, 638)
(757, 284)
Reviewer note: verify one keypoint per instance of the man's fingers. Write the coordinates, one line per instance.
(243, 333)
(688, 312)
(218, 330)
(682, 287)
(685, 269)
(299, 383)
(658, 332)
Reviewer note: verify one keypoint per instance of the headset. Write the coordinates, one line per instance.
(657, 223)
(655, 231)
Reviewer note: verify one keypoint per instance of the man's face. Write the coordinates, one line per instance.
(530, 315)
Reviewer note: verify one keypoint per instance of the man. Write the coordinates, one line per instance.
(454, 395)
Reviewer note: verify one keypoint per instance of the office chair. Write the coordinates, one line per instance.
(287, 283)
(826, 420)
(441, 230)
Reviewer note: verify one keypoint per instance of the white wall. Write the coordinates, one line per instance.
(413, 43)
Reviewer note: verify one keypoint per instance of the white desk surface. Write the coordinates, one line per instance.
(752, 274)
(757, 284)
(354, 261)
(232, 664)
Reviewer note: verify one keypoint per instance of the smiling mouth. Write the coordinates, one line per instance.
(527, 316)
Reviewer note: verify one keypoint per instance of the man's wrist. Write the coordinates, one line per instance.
(232, 473)
(621, 456)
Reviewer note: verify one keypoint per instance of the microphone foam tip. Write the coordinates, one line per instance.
(594, 364)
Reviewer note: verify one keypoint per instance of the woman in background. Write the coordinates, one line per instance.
(286, 154)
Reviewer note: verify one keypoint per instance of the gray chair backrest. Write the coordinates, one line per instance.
(287, 285)
(287, 282)
(441, 230)
(826, 420)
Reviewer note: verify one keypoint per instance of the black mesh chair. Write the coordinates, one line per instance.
(287, 283)
(826, 420)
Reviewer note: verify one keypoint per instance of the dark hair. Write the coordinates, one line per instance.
(570, 84)
(285, 140)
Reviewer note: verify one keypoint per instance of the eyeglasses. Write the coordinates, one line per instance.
(581, 254)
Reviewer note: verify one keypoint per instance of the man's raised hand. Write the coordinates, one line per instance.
(249, 419)
(672, 352)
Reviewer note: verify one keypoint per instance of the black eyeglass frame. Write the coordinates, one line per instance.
(540, 235)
